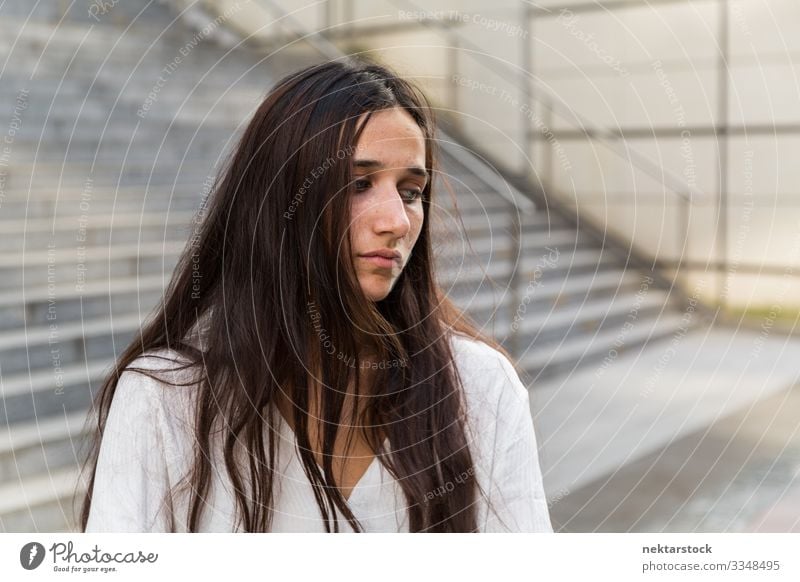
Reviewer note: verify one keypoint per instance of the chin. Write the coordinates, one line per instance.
(376, 295)
(376, 290)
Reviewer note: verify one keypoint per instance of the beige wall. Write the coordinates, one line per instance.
(658, 67)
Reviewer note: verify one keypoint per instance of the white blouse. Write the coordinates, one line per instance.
(148, 447)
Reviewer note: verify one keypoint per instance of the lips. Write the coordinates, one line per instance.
(387, 253)
(386, 258)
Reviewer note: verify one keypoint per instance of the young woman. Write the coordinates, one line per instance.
(305, 373)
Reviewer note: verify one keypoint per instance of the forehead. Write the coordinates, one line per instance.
(392, 136)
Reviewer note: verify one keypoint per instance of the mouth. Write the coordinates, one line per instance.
(385, 259)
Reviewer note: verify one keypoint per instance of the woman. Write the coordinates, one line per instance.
(305, 373)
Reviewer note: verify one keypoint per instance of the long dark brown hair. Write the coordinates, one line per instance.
(272, 246)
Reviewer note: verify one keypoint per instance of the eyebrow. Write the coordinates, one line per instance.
(369, 164)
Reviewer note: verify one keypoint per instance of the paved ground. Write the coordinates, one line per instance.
(729, 456)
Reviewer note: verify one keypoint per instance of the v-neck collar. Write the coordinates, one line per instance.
(291, 437)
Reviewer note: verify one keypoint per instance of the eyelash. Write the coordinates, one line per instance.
(417, 193)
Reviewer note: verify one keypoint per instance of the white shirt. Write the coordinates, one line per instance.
(148, 446)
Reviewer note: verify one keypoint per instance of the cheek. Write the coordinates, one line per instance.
(416, 217)
(355, 220)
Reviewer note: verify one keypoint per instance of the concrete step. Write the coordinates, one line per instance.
(99, 102)
(472, 187)
(42, 446)
(465, 279)
(27, 176)
(58, 344)
(470, 177)
(131, 82)
(490, 248)
(81, 266)
(90, 191)
(38, 12)
(94, 230)
(40, 504)
(76, 122)
(580, 286)
(20, 308)
(467, 204)
(208, 140)
(72, 94)
(574, 288)
(554, 359)
(49, 393)
(39, 257)
(41, 36)
(75, 93)
(186, 198)
(540, 325)
(141, 12)
(497, 221)
(548, 325)
(150, 161)
(120, 39)
(87, 59)
(22, 153)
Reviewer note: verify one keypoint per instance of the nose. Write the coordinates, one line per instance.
(389, 213)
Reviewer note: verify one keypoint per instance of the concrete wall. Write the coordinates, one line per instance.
(659, 69)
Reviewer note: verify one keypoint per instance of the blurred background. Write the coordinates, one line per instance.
(627, 177)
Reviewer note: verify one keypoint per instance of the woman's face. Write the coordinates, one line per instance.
(386, 210)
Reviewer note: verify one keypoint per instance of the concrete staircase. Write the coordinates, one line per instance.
(97, 201)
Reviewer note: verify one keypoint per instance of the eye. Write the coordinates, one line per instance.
(409, 196)
(414, 193)
(361, 185)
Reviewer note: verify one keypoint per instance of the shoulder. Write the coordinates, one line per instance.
(488, 378)
(156, 383)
